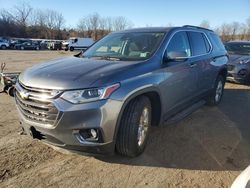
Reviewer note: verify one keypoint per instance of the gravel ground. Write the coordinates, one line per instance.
(207, 149)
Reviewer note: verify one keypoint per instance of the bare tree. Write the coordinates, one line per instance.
(22, 13)
(94, 21)
(82, 26)
(225, 31)
(248, 25)
(38, 18)
(109, 24)
(243, 32)
(91, 24)
(6, 15)
(235, 28)
(121, 23)
(54, 20)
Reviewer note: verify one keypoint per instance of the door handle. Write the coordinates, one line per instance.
(192, 65)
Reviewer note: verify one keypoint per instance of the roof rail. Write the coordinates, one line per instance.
(196, 27)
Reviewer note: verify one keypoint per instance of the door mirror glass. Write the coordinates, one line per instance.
(177, 55)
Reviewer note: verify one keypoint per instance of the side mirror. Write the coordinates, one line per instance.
(175, 56)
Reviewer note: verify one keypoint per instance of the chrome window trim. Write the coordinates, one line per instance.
(186, 30)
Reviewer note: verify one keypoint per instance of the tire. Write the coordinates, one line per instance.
(247, 82)
(37, 48)
(21, 48)
(11, 91)
(129, 142)
(217, 93)
(3, 47)
(71, 48)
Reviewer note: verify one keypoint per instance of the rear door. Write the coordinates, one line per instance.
(28, 46)
(202, 58)
(180, 82)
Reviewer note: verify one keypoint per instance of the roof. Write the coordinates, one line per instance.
(161, 29)
(238, 42)
(147, 29)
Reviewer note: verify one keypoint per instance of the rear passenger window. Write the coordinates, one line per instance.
(218, 45)
(208, 46)
(198, 44)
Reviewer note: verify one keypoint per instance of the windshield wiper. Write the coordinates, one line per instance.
(106, 58)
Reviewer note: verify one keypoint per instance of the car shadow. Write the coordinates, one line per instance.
(212, 138)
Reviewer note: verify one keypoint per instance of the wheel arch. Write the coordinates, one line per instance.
(223, 72)
(155, 98)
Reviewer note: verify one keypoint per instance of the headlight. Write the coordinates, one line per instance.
(89, 95)
(244, 61)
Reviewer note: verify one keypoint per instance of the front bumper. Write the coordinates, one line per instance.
(100, 115)
(238, 73)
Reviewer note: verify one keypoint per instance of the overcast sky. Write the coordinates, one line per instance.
(147, 12)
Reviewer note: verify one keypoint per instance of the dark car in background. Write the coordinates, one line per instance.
(28, 46)
(4, 44)
(239, 61)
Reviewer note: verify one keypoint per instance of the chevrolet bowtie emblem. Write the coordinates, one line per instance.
(24, 94)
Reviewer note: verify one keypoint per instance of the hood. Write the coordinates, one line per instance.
(71, 73)
(235, 59)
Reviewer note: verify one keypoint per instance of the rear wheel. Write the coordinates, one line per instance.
(71, 48)
(248, 80)
(3, 47)
(134, 127)
(217, 93)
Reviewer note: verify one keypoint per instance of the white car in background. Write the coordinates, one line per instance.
(76, 43)
(243, 180)
(4, 44)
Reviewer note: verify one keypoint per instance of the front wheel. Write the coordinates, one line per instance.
(217, 93)
(134, 127)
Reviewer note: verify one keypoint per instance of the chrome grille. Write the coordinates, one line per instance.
(36, 104)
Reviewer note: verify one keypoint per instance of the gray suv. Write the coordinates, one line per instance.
(108, 97)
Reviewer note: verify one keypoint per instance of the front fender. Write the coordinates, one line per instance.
(138, 85)
(133, 88)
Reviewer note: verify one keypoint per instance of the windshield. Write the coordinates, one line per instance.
(242, 49)
(126, 46)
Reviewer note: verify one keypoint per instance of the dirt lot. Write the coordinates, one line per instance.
(207, 149)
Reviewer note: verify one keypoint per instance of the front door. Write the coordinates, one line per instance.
(180, 83)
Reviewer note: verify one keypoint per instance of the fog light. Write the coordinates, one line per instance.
(93, 133)
(89, 135)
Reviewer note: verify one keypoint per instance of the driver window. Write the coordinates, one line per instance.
(179, 43)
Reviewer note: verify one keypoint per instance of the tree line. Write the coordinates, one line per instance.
(22, 21)
(231, 31)
(25, 22)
